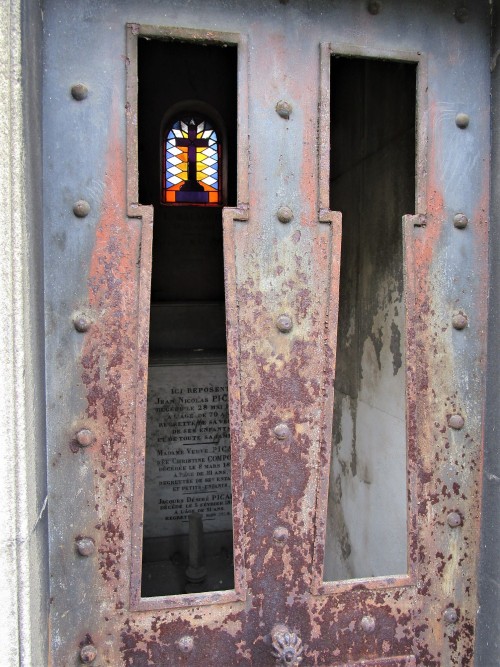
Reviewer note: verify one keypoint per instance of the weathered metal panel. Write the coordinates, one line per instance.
(95, 272)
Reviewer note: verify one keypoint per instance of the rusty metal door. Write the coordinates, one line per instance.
(282, 260)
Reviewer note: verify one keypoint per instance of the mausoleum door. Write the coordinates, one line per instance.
(265, 229)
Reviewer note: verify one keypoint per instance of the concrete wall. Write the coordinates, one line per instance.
(23, 543)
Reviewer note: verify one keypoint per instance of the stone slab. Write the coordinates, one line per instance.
(188, 458)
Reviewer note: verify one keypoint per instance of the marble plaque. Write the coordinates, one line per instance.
(188, 457)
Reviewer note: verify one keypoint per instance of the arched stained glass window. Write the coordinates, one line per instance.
(192, 164)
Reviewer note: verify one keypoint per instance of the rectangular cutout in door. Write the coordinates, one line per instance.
(372, 183)
(187, 149)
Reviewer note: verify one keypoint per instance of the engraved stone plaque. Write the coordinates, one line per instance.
(188, 458)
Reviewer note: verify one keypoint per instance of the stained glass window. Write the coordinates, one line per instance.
(192, 165)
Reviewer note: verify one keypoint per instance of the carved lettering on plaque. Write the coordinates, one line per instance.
(188, 464)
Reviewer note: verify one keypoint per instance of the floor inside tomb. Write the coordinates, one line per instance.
(166, 560)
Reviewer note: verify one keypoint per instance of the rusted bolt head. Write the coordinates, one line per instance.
(79, 91)
(84, 437)
(280, 535)
(456, 421)
(284, 109)
(281, 431)
(284, 323)
(459, 321)
(374, 6)
(460, 221)
(81, 323)
(81, 208)
(88, 654)
(461, 14)
(368, 623)
(454, 519)
(450, 616)
(462, 120)
(85, 546)
(284, 214)
(185, 644)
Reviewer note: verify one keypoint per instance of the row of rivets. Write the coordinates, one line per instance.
(459, 322)
(79, 92)
(375, 7)
(85, 546)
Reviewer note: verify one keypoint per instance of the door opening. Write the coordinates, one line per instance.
(187, 171)
(373, 107)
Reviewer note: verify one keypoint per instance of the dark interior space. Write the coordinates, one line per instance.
(187, 351)
(187, 241)
(372, 183)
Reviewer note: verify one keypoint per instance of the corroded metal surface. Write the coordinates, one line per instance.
(99, 265)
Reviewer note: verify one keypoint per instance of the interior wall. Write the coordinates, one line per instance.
(373, 185)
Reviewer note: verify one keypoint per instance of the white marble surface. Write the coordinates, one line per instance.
(188, 460)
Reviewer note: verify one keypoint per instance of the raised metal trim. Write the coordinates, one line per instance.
(135, 210)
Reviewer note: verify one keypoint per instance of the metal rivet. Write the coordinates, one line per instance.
(84, 437)
(284, 323)
(450, 616)
(81, 323)
(459, 321)
(284, 214)
(185, 644)
(454, 519)
(368, 623)
(85, 546)
(460, 221)
(374, 7)
(283, 109)
(81, 208)
(88, 654)
(79, 91)
(281, 431)
(462, 120)
(280, 535)
(456, 421)
(461, 14)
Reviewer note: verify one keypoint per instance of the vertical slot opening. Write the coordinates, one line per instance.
(372, 182)
(187, 113)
